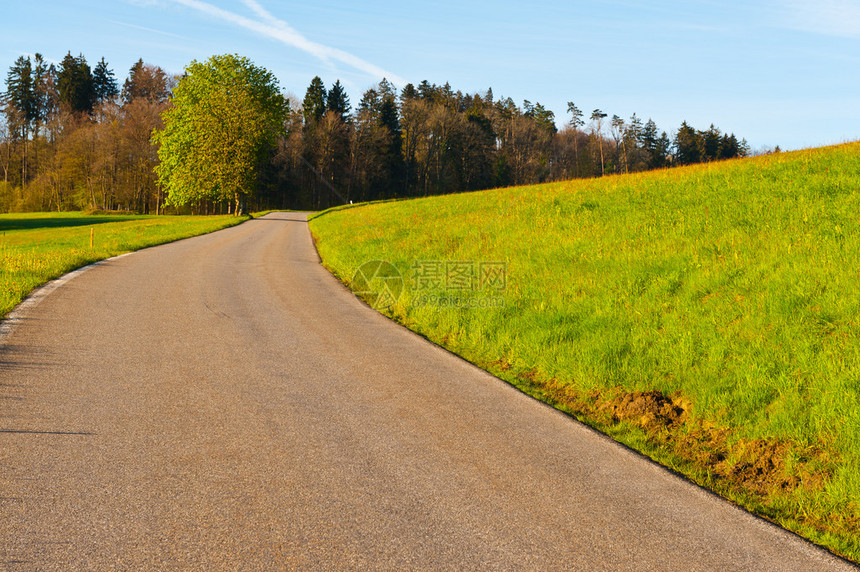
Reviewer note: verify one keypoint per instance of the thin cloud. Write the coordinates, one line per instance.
(150, 30)
(828, 17)
(277, 29)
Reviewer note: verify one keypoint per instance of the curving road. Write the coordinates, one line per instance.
(224, 403)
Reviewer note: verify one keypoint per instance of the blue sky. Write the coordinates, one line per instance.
(781, 73)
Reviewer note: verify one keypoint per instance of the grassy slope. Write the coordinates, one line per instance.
(733, 289)
(38, 247)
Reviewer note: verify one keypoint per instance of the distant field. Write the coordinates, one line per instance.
(36, 248)
(708, 316)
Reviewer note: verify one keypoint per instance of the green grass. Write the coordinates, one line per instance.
(733, 288)
(38, 247)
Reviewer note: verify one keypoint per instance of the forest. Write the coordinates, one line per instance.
(72, 139)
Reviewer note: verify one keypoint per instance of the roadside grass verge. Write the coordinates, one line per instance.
(38, 247)
(707, 316)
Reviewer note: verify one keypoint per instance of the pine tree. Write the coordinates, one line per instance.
(409, 93)
(544, 118)
(729, 147)
(661, 151)
(146, 81)
(427, 91)
(711, 143)
(44, 103)
(104, 82)
(20, 93)
(337, 100)
(75, 84)
(688, 145)
(314, 104)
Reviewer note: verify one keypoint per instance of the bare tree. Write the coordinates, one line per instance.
(576, 122)
(597, 117)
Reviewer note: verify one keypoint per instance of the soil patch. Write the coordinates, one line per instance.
(760, 473)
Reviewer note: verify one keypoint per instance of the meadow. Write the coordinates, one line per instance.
(707, 316)
(38, 247)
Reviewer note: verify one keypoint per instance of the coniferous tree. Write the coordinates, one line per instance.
(409, 93)
(542, 116)
(661, 151)
(649, 140)
(427, 91)
(104, 82)
(711, 143)
(20, 94)
(389, 118)
(75, 84)
(146, 81)
(314, 104)
(688, 145)
(729, 147)
(337, 100)
(44, 91)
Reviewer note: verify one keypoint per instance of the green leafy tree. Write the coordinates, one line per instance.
(223, 124)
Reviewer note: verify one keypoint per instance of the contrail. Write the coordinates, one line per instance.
(277, 29)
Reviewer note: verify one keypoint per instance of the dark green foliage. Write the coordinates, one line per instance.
(76, 85)
(104, 82)
(711, 144)
(20, 93)
(689, 145)
(337, 100)
(542, 117)
(409, 93)
(692, 146)
(314, 104)
(422, 139)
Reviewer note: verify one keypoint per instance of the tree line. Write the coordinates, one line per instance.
(429, 140)
(71, 138)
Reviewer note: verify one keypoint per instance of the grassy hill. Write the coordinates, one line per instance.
(708, 316)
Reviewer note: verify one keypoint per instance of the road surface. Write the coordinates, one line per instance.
(224, 403)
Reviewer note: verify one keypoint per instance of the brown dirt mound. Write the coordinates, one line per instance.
(760, 465)
(651, 410)
(759, 473)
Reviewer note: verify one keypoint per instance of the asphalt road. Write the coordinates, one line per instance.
(224, 403)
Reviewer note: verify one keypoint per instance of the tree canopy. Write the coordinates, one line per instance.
(224, 121)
